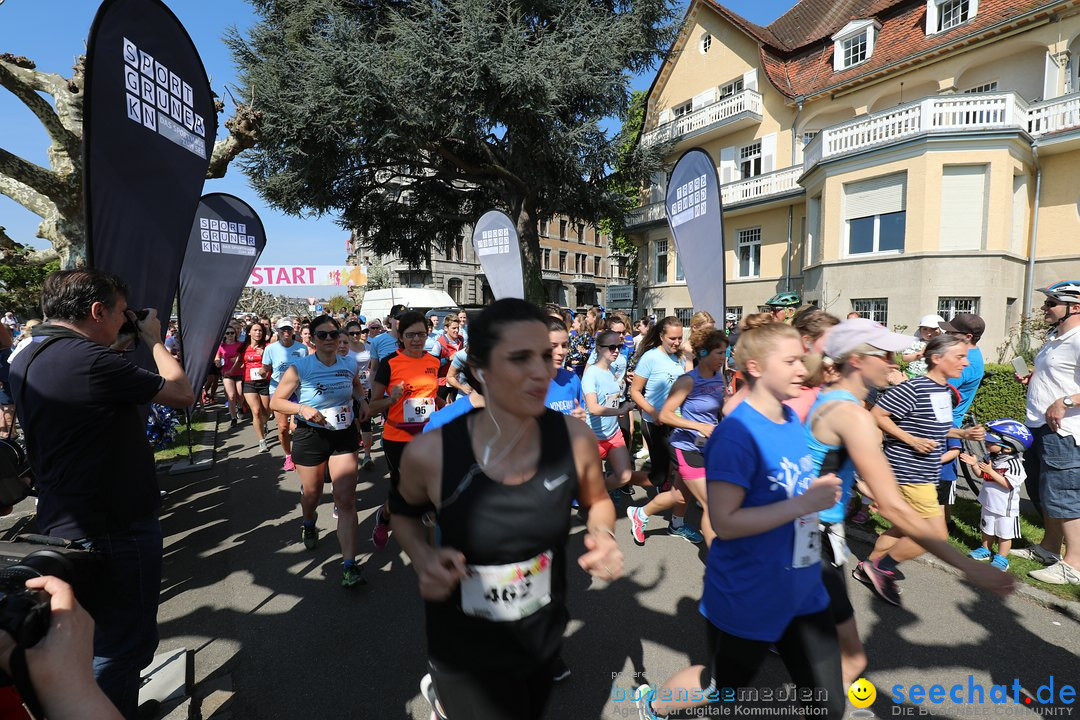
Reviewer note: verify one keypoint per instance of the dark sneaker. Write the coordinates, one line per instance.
(687, 533)
(559, 670)
(310, 536)
(380, 535)
(352, 576)
(882, 583)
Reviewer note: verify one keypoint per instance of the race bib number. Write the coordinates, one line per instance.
(942, 404)
(256, 374)
(504, 593)
(338, 418)
(612, 400)
(807, 550)
(363, 377)
(418, 410)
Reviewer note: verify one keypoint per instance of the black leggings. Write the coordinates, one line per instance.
(466, 695)
(809, 649)
(656, 439)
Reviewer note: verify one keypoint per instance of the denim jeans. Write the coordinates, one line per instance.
(125, 610)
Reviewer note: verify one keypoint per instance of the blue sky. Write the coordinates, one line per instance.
(53, 32)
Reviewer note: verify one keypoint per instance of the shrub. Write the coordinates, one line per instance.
(999, 395)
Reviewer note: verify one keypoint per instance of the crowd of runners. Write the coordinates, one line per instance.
(503, 429)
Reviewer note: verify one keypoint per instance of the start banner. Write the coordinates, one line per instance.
(305, 275)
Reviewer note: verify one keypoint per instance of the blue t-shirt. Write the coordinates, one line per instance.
(948, 470)
(565, 388)
(462, 406)
(818, 451)
(325, 387)
(660, 371)
(756, 585)
(702, 405)
(279, 358)
(458, 360)
(607, 392)
(968, 384)
(383, 346)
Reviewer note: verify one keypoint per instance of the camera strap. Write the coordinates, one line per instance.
(50, 334)
(20, 675)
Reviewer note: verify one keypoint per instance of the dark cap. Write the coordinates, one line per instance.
(965, 324)
(397, 310)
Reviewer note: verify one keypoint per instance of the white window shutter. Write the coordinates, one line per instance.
(876, 196)
(727, 165)
(963, 207)
(931, 17)
(768, 153)
(1050, 79)
(706, 98)
(749, 80)
(665, 116)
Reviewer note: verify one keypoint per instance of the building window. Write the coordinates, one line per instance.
(619, 268)
(546, 255)
(706, 43)
(562, 261)
(952, 13)
(809, 135)
(597, 237)
(543, 228)
(679, 276)
(875, 213)
(948, 307)
(684, 109)
(453, 289)
(876, 309)
(732, 88)
(562, 229)
(581, 234)
(750, 160)
(596, 267)
(735, 310)
(580, 264)
(659, 313)
(748, 250)
(854, 50)
(985, 87)
(660, 260)
(684, 315)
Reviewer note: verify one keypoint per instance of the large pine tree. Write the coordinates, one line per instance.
(410, 119)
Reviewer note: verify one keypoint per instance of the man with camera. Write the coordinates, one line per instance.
(77, 400)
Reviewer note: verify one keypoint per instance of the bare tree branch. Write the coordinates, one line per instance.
(20, 82)
(42, 181)
(243, 129)
(26, 196)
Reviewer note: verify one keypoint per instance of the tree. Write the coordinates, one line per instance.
(378, 277)
(410, 119)
(338, 304)
(55, 194)
(260, 302)
(628, 189)
(22, 275)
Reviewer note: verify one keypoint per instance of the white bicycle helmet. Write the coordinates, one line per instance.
(1066, 291)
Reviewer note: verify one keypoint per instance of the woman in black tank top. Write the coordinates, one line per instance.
(499, 483)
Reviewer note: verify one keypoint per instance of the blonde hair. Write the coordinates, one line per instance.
(757, 342)
(701, 319)
(815, 323)
(755, 320)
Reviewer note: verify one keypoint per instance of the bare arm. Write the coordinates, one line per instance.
(889, 427)
(637, 387)
(679, 392)
(602, 558)
(453, 376)
(731, 520)
(176, 392)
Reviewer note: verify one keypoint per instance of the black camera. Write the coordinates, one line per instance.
(128, 336)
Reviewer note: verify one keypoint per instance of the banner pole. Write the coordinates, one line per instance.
(190, 451)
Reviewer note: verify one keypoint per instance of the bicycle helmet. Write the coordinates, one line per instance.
(1009, 433)
(1066, 291)
(731, 317)
(784, 299)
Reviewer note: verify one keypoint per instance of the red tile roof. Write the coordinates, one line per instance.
(797, 49)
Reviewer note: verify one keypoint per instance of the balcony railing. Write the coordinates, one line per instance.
(721, 111)
(762, 186)
(653, 212)
(1061, 113)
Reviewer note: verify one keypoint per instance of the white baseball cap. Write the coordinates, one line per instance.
(284, 323)
(931, 321)
(852, 333)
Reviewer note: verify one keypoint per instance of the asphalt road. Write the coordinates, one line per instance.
(270, 622)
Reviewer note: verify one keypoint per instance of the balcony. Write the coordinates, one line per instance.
(653, 212)
(742, 109)
(583, 279)
(1055, 115)
(550, 275)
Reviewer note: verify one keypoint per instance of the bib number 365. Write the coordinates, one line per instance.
(504, 593)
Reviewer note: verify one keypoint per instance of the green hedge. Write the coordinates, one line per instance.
(1000, 395)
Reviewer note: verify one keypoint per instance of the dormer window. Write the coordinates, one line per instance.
(706, 43)
(854, 43)
(942, 15)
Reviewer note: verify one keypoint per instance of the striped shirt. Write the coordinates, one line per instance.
(995, 498)
(923, 409)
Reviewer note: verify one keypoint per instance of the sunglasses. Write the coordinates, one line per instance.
(229, 333)
(415, 335)
(327, 334)
(1051, 303)
(612, 348)
(353, 333)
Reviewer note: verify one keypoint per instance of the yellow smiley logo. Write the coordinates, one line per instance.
(862, 693)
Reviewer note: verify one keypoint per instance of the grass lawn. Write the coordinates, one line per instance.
(178, 450)
(967, 536)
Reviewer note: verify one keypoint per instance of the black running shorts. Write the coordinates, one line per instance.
(257, 387)
(312, 446)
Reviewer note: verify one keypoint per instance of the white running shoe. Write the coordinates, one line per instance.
(642, 453)
(1060, 573)
(262, 446)
(427, 689)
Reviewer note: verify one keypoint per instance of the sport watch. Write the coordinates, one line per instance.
(1067, 401)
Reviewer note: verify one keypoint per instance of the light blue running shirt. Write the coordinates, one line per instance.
(326, 388)
(279, 358)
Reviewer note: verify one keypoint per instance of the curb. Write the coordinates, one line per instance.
(1034, 594)
(205, 442)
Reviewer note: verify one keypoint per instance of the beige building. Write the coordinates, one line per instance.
(891, 158)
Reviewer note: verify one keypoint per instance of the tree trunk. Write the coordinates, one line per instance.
(530, 249)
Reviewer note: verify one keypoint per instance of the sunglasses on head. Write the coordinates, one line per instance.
(327, 334)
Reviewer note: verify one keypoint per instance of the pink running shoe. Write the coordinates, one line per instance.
(381, 534)
(288, 464)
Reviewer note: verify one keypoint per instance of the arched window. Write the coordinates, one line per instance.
(453, 289)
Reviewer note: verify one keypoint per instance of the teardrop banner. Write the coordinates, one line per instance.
(695, 216)
(224, 244)
(495, 240)
(148, 129)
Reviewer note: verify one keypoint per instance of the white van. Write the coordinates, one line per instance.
(377, 303)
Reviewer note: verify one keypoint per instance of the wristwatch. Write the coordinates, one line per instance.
(1067, 401)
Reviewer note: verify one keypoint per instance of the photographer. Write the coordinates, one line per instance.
(60, 664)
(77, 401)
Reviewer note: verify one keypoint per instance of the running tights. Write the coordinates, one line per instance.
(468, 695)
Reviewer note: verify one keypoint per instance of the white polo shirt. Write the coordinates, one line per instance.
(1056, 374)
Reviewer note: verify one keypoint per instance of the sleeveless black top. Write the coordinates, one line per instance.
(496, 524)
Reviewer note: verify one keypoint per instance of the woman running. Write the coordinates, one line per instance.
(500, 481)
(228, 358)
(406, 386)
(326, 385)
(658, 367)
(844, 438)
(256, 380)
(604, 406)
(698, 397)
(564, 392)
(763, 582)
